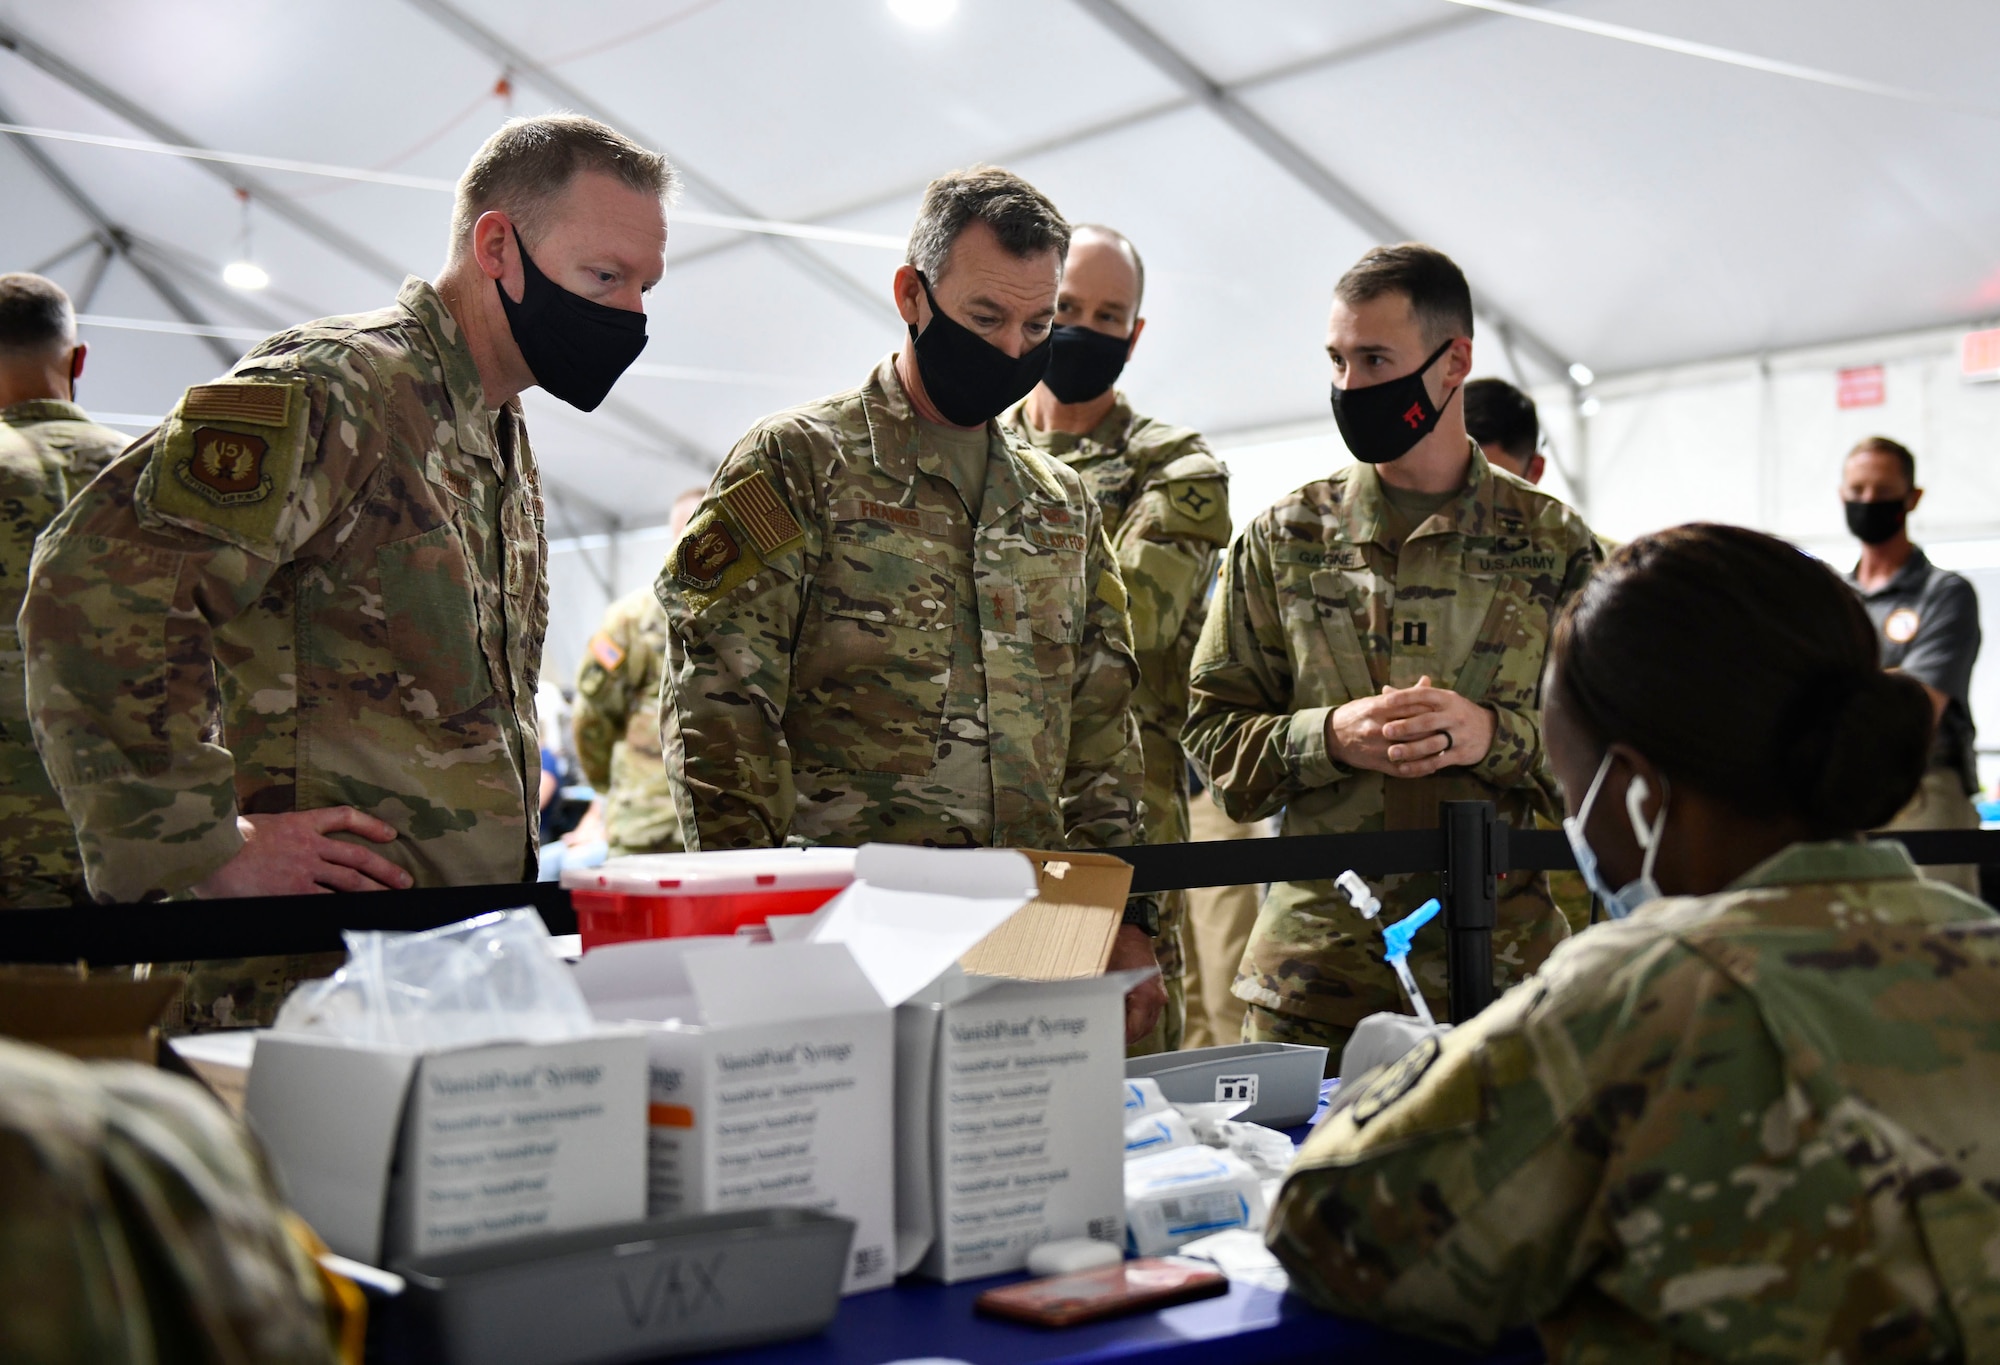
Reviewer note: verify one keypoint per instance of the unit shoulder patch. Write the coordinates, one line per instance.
(1199, 500)
(225, 461)
(709, 563)
(226, 467)
(754, 506)
(704, 555)
(1398, 1079)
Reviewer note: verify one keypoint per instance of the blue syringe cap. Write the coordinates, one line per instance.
(1398, 935)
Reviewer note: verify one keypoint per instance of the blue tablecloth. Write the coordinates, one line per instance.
(1247, 1327)
(917, 1320)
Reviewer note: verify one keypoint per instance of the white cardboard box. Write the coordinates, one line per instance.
(771, 1081)
(1009, 1102)
(1010, 1120)
(395, 1151)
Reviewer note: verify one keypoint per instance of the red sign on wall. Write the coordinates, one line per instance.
(1979, 354)
(1861, 387)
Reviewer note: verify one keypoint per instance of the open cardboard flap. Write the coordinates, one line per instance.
(719, 983)
(92, 1017)
(913, 912)
(647, 980)
(336, 1176)
(1068, 929)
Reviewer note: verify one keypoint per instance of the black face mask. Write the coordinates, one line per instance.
(575, 348)
(1875, 523)
(1381, 422)
(1084, 363)
(970, 380)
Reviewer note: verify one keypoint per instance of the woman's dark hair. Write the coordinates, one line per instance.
(1748, 671)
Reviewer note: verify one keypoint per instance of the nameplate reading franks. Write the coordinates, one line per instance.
(226, 468)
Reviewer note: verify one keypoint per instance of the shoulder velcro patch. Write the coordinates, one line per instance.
(710, 561)
(606, 651)
(243, 400)
(704, 556)
(754, 506)
(1398, 1079)
(1199, 500)
(225, 461)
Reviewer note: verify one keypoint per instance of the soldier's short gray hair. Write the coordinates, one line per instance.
(525, 166)
(1020, 215)
(35, 315)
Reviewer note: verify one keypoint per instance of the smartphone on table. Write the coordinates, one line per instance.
(1108, 1292)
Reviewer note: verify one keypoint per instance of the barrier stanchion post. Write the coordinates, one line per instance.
(1473, 856)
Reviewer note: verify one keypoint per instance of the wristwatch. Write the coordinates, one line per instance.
(1144, 912)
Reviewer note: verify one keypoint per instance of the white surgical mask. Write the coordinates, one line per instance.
(1635, 893)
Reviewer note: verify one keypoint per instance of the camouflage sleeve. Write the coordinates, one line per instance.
(1106, 769)
(734, 589)
(1167, 548)
(1472, 1185)
(1241, 730)
(1515, 757)
(604, 697)
(177, 538)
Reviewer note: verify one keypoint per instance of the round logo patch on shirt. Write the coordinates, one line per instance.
(1901, 627)
(1398, 1079)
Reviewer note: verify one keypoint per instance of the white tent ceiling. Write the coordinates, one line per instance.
(1623, 206)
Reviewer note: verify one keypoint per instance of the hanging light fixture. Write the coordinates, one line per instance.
(244, 272)
(923, 13)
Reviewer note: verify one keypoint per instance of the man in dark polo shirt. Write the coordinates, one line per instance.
(1929, 620)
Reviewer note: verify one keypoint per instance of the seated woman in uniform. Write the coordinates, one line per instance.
(1757, 1118)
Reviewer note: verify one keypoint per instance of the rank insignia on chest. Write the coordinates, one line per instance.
(706, 554)
(226, 467)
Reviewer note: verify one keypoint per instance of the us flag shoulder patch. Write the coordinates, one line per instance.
(606, 651)
(754, 505)
(264, 405)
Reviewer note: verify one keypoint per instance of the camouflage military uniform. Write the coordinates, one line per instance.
(1165, 502)
(49, 449)
(618, 726)
(842, 666)
(1314, 610)
(347, 542)
(1757, 1125)
(140, 1225)
(319, 583)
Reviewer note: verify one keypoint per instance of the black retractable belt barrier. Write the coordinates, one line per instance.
(1475, 853)
(258, 926)
(1295, 858)
(1471, 847)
